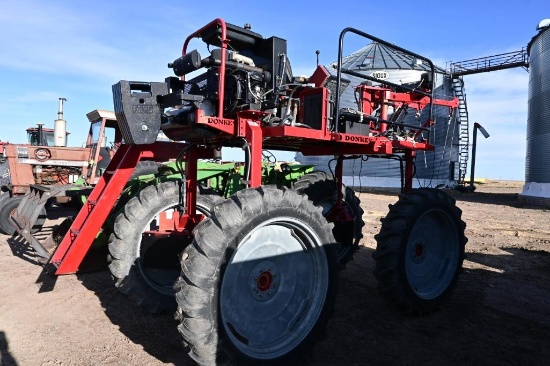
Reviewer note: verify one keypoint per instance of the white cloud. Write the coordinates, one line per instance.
(63, 40)
(78, 50)
(498, 101)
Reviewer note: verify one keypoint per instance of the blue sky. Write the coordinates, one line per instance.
(78, 49)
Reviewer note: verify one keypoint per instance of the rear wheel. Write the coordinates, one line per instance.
(145, 167)
(320, 188)
(420, 250)
(145, 265)
(258, 283)
(8, 207)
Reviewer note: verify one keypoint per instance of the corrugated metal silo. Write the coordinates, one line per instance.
(432, 168)
(537, 161)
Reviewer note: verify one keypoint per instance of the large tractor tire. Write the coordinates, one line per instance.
(8, 207)
(4, 196)
(259, 281)
(145, 167)
(145, 267)
(320, 188)
(420, 250)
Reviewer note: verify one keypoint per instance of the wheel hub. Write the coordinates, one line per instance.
(432, 254)
(264, 280)
(419, 251)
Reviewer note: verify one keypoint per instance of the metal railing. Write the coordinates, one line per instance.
(490, 63)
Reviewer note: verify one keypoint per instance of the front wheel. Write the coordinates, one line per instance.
(8, 207)
(259, 280)
(420, 250)
(143, 260)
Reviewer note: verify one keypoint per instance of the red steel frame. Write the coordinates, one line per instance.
(78, 240)
(247, 126)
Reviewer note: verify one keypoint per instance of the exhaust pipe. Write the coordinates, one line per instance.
(40, 141)
(60, 126)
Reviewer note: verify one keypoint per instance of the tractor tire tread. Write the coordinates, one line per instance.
(392, 238)
(197, 289)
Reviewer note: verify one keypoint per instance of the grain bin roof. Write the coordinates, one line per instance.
(376, 56)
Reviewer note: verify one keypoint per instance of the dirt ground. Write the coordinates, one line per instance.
(498, 315)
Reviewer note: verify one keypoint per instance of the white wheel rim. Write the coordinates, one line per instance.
(274, 288)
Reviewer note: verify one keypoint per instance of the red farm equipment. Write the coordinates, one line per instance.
(255, 274)
(46, 162)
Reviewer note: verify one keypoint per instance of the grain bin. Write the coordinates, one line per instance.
(537, 161)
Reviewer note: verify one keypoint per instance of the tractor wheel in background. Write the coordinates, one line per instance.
(320, 188)
(145, 267)
(420, 250)
(145, 167)
(4, 196)
(259, 281)
(8, 207)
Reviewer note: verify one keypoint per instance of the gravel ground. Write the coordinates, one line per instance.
(498, 315)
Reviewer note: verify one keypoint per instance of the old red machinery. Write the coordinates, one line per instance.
(248, 97)
(57, 168)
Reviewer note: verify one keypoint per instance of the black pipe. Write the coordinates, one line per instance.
(477, 126)
(40, 135)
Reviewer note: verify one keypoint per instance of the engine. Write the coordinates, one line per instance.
(50, 175)
(243, 90)
(255, 70)
(256, 77)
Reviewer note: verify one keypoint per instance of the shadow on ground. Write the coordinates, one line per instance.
(156, 333)
(21, 249)
(485, 321)
(6, 359)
